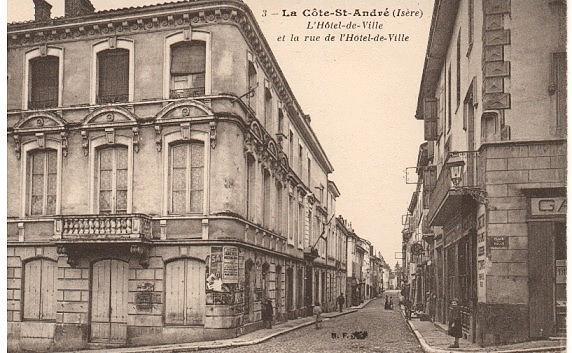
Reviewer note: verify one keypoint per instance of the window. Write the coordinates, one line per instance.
(558, 87)
(300, 154)
(112, 179)
(266, 212)
(459, 69)
(268, 109)
(471, 25)
(280, 121)
(39, 289)
(291, 146)
(489, 126)
(291, 218)
(42, 179)
(252, 85)
(188, 68)
(250, 186)
(113, 75)
(278, 208)
(449, 99)
(185, 292)
(309, 166)
(301, 235)
(186, 176)
(44, 82)
(295, 221)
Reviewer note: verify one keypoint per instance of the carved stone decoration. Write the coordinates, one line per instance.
(142, 252)
(158, 139)
(17, 145)
(212, 133)
(136, 138)
(186, 131)
(41, 140)
(64, 143)
(110, 135)
(72, 255)
(85, 142)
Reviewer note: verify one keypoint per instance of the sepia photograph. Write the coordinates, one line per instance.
(284, 176)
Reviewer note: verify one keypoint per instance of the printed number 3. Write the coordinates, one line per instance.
(263, 13)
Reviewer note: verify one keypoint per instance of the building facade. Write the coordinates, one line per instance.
(162, 180)
(493, 101)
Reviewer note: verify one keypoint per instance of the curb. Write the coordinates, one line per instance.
(428, 349)
(193, 348)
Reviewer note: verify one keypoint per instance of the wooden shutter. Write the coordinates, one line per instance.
(430, 118)
(185, 292)
(175, 293)
(113, 75)
(541, 278)
(429, 180)
(559, 82)
(44, 82)
(188, 58)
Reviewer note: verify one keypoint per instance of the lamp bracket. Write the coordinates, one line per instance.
(477, 194)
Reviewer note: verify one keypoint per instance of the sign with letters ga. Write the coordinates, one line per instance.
(548, 206)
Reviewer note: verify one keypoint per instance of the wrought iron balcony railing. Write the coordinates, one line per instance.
(43, 104)
(112, 98)
(187, 92)
(118, 227)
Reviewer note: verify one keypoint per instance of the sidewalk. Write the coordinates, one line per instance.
(244, 340)
(433, 338)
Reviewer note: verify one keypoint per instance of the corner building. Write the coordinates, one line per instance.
(162, 179)
(493, 101)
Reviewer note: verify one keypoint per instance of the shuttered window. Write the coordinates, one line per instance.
(185, 292)
(430, 119)
(559, 81)
(39, 290)
(113, 75)
(250, 186)
(112, 179)
(188, 67)
(44, 82)
(187, 177)
(42, 181)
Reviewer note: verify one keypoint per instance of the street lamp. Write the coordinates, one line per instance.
(456, 166)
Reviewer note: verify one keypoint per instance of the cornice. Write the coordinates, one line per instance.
(145, 19)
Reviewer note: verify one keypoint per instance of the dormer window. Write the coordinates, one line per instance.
(113, 76)
(188, 68)
(44, 82)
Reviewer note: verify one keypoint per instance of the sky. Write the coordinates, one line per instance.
(361, 97)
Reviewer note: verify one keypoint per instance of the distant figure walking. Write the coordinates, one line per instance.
(455, 329)
(386, 305)
(267, 313)
(318, 314)
(341, 301)
(391, 303)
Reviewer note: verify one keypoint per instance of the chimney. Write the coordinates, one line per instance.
(42, 11)
(76, 8)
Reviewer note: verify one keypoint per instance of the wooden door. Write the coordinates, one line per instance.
(541, 278)
(185, 292)
(109, 301)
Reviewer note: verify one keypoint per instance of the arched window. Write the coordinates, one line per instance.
(113, 75)
(43, 82)
(112, 179)
(252, 86)
(39, 289)
(188, 69)
(186, 177)
(185, 292)
(42, 182)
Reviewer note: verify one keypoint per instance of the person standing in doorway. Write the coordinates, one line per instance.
(267, 313)
(341, 301)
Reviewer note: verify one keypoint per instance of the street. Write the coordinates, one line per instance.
(387, 332)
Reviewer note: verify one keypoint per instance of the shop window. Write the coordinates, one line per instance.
(188, 68)
(42, 181)
(112, 179)
(39, 289)
(44, 82)
(186, 176)
(113, 75)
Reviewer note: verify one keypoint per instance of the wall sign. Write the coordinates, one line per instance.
(498, 242)
(548, 206)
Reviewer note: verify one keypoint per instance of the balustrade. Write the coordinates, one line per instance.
(94, 227)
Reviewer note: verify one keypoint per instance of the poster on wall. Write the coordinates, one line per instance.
(230, 264)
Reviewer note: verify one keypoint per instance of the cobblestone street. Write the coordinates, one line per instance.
(387, 332)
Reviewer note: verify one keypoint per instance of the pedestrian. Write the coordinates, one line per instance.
(341, 301)
(267, 313)
(386, 305)
(318, 313)
(455, 329)
(391, 303)
(407, 305)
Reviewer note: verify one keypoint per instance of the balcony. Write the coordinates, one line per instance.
(123, 228)
(187, 92)
(448, 199)
(43, 104)
(112, 98)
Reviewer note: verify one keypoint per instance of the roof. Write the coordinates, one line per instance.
(440, 33)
